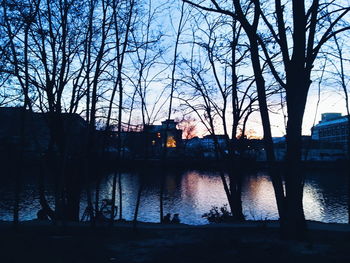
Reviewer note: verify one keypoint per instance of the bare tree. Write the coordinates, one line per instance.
(149, 66)
(221, 42)
(22, 15)
(250, 29)
(121, 48)
(309, 27)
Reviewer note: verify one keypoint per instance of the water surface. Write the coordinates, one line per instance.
(193, 193)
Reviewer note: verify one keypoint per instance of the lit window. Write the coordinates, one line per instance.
(170, 142)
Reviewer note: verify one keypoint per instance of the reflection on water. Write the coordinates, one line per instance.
(258, 192)
(193, 193)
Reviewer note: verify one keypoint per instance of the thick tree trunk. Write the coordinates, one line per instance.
(294, 180)
(297, 88)
(235, 174)
(73, 191)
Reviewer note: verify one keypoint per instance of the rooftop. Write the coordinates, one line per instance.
(337, 120)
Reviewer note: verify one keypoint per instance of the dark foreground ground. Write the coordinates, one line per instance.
(248, 242)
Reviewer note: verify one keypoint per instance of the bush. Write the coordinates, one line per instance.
(218, 215)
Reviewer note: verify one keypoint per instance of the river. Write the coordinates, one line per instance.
(192, 193)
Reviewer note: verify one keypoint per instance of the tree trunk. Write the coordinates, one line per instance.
(120, 196)
(42, 199)
(114, 189)
(161, 194)
(348, 163)
(236, 191)
(138, 200)
(296, 100)
(269, 149)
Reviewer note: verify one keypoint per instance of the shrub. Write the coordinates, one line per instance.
(218, 215)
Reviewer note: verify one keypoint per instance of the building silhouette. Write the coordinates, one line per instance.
(37, 133)
(152, 142)
(333, 127)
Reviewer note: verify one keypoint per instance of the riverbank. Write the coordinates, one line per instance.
(244, 242)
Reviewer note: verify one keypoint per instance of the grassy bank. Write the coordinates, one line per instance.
(246, 242)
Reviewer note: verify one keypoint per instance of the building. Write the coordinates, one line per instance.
(205, 147)
(150, 143)
(333, 127)
(165, 134)
(36, 131)
(328, 140)
(312, 150)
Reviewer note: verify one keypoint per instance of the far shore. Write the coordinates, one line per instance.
(110, 164)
